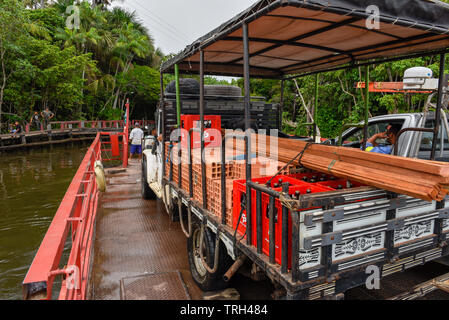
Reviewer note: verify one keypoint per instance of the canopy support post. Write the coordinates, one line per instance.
(441, 85)
(178, 98)
(281, 107)
(315, 109)
(247, 101)
(203, 165)
(365, 125)
(162, 115)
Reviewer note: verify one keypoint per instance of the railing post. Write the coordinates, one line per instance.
(126, 137)
(247, 104)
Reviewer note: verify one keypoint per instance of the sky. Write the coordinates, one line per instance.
(174, 24)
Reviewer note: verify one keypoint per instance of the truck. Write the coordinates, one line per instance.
(344, 233)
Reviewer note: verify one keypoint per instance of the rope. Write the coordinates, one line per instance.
(290, 204)
(300, 155)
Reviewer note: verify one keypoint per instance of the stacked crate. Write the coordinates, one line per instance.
(235, 169)
(184, 163)
(261, 167)
(215, 201)
(213, 173)
(272, 167)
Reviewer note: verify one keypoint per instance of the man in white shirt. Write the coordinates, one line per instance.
(136, 137)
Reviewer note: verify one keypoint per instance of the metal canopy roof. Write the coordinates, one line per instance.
(296, 37)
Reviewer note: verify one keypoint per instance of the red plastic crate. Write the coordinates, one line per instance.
(329, 180)
(312, 177)
(303, 187)
(340, 184)
(240, 190)
(212, 127)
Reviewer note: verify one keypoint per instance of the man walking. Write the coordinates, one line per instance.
(136, 137)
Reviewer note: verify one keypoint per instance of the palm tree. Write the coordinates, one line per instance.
(116, 38)
(130, 43)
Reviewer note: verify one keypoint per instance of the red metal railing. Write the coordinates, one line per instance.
(100, 124)
(113, 146)
(76, 213)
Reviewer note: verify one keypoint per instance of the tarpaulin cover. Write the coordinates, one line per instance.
(295, 37)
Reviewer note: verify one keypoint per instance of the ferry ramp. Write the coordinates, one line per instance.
(138, 252)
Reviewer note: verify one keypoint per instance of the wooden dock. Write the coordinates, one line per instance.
(9, 142)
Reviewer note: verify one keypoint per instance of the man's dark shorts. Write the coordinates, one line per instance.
(136, 148)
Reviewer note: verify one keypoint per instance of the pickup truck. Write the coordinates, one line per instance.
(371, 227)
(333, 240)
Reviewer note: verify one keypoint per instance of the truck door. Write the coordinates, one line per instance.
(427, 140)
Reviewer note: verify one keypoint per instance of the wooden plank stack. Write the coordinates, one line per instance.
(423, 179)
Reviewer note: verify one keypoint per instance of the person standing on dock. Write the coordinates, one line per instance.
(136, 137)
(35, 120)
(46, 116)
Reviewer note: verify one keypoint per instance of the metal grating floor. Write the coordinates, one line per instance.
(135, 238)
(158, 286)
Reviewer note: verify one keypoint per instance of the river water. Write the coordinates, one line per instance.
(32, 184)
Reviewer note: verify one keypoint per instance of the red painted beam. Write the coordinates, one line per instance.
(48, 256)
(387, 87)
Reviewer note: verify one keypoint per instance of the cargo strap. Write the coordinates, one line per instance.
(300, 155)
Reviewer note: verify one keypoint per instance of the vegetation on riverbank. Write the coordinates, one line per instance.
(88, 73)
(84, 73)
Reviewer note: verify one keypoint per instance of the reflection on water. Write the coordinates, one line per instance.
(32, 184)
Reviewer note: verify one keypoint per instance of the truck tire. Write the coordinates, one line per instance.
(205, 280)
(186, 86)
(222, 90)
(147, 193)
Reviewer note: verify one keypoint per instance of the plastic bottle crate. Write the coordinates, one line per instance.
(326, 180)
(303, 188)
(340, 184)
(240, 191)
(212, 126)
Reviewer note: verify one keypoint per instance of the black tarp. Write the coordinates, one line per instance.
(407, 26)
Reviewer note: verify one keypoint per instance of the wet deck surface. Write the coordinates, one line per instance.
(134, 238)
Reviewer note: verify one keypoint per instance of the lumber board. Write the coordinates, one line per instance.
(423, 179)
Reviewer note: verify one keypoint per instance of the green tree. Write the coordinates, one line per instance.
(12, 43)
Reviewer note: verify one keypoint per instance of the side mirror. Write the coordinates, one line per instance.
(154, 147)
